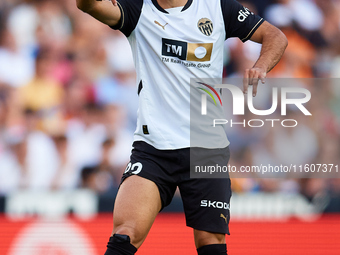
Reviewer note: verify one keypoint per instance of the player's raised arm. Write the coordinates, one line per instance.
(243, 23)
(105, 11)
(274, 43)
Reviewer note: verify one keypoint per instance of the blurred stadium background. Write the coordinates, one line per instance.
(68, 106)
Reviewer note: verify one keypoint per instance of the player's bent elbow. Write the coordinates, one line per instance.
(283, 39)
(277, 33)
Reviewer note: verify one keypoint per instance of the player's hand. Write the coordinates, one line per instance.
(252, 77)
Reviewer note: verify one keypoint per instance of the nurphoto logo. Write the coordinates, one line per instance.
(240, 100)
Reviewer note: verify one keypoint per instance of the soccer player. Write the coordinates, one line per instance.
(173, 41)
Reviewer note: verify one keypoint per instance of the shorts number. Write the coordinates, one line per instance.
(136, 168)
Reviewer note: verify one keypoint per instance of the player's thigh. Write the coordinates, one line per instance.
(203, 238)
(136, 207)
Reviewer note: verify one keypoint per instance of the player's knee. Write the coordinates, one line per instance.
(203, 238)
(136, 236)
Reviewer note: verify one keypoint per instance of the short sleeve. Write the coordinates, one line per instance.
(239, 21)
(130, 13)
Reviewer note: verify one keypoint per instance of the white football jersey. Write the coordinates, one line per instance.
(170, 48)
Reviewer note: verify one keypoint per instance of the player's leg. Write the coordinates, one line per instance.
(208, 243)
(144, 191)
(206, 205)
(136, 207)
(206, 202)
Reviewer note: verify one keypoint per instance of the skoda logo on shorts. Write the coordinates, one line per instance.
(215, 204)
(205, 26)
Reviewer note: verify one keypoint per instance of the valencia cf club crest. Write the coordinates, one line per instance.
(205, 26)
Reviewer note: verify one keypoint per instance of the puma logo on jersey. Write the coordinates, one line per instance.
(159, 24)
(243, 15)
(223, 217)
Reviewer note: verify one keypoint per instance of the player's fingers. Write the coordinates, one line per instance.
(262, 77)
(253, 77)
(246, 81)
(114, 2)
(255, 89)
(254, 80)
(255, 85)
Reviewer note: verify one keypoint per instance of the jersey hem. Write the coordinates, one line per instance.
(179, 147)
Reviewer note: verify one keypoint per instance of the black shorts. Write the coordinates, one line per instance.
(205, 201)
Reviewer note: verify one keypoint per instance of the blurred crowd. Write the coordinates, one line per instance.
(68, 99)
(68, 102)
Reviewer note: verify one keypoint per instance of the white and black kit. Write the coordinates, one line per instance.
(170, 47)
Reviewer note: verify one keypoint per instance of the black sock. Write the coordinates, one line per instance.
(120, 245)
(213, 249)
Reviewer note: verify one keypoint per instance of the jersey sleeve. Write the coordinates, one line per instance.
(239, 21)
(130, 13)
